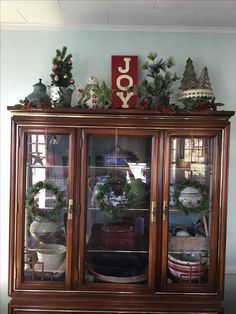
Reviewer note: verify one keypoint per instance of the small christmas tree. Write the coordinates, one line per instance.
(61, 68)
(204, 81)
(189, 80)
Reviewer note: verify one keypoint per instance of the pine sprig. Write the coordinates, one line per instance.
(160, 78)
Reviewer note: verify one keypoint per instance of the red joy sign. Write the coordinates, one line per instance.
(124, 75)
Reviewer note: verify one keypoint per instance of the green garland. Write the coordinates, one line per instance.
(117, 186)
(37, 213)
(203, 204)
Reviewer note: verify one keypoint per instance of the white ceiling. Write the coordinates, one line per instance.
(146, 15)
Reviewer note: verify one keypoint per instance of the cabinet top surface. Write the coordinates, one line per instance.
(129, 113)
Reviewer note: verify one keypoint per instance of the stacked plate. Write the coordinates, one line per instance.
(187, 266)
(118, 268)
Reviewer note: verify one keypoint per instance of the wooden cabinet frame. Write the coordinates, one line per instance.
(74, 296)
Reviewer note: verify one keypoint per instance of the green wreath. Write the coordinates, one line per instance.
(37, 213)
(116, 187)
(203, 204)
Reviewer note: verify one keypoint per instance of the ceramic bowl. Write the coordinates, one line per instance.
(190, 197)
(187, 266)
(119, 160)
(52, 255)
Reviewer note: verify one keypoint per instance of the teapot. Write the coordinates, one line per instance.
(39, 94)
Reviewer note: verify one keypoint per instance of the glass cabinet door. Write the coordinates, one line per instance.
(47, 188)
(191, 203)
(119, 172)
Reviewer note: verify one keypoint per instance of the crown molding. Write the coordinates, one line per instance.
(117, 28)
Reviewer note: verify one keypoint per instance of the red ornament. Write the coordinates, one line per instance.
(145, 103)
(164, 109)
(69, 61)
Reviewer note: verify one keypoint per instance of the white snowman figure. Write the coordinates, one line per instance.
(87, 96)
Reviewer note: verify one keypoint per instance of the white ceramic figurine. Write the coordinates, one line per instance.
(87, 96)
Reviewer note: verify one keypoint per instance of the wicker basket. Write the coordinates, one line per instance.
(196, 93)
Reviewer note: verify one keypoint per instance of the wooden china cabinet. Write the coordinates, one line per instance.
(137, 202)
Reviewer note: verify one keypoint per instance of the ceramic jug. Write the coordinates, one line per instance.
(61, 96)
(93, 186)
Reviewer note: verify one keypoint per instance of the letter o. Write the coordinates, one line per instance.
(122, 77)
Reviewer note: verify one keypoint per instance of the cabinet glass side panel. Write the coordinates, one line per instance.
(190, 210)
(118, 203)
(47, 169)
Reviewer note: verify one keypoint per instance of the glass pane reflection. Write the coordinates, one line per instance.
(118, 202)
(45, 231)
(190, 217)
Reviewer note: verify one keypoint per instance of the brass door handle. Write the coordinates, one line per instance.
(154, 211)
(70, 210)
(165, 210)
